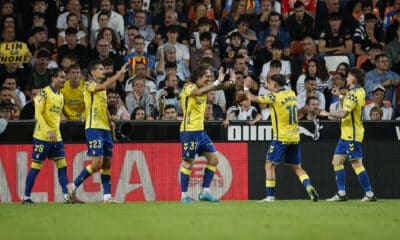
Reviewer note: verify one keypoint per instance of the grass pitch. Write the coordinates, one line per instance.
(294, 219)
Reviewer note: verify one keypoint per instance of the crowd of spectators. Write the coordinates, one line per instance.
(312, 42)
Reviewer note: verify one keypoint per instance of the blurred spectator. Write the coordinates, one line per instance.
(367, 34)
(200, 11)
(310, 85)
(310, 111)
(130, 15)
(39, 20)
(276, 28)
(140, 56)
(21, 72)
(375, 114)
(139, 97)
(73, 6)
(72, 47)
(103, 51)
(381, 75)
(171, 18)
(289, 7)
(28, 111)
(317, 70)
(6, 111)
(260, 20)
(164, 18)
(230, 20)
(374, 50)
(337, 39)
(6, 95)
(168, 61)
(41, 74)
(138, 114)
(263, 54)
(277, 51)
(144, 28)
(391, 30)
(182, 51)
(169, 113)
(249, 36)
(72, 22)
(300, 23)
(378, 96)
(170, 93)
(17, 96)
(116, 107)
(203, 33)
(103, 20)
(213, 111)
(242, 110)
(116, 21)
(392, 51)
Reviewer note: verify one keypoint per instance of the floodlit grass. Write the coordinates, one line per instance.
(294, 219)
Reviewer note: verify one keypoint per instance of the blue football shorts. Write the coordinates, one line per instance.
(43, 149)
(99, 142)
(351, 149)
(195, 142)
(277, 149)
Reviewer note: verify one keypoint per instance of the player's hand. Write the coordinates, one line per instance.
(52, 136)
(324, 113)
(123, 69)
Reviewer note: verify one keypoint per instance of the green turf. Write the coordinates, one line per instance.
(202, 220)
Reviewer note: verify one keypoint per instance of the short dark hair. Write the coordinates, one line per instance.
(359, 75)
(74, 66)
(55, 71)
(277, 45)
(280, 79)
(93, 65)
(275, 63)
(205, 35)
(71, 31)
(298, 4)
(308, 99)
(309, 78)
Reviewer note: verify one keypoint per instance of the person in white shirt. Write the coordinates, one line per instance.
(378, 95)
(116, 21)
(310, 90)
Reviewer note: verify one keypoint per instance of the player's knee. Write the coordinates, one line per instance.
(36, 165)
(60, 163)
(187, 163)
(213, 160)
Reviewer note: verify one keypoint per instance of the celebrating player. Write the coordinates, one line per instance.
(352, 134)
(193, 137)
(47, 141)
(98, 129)
(286, 135)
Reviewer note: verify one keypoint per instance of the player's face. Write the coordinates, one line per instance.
(205, 79)
(59, 80)
(74, 75)
(350, 80)
(98, 72)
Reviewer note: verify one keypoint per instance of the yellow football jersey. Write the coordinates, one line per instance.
(95, 107)
(48, 106)
(283, 106)
(194, 108)
(74, 105)
(352, 128)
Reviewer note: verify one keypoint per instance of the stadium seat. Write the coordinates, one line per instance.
(333, 61)
(361, 59)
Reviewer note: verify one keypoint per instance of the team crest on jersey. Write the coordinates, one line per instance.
(199, 101)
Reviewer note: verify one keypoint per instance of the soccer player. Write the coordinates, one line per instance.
(74, 107)
(352, 134)
(98, 129)
(192, 135)
(286, 135)
(47, 141)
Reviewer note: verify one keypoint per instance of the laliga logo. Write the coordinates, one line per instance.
(222, 178)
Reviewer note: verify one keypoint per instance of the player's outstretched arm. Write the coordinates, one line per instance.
(106, 84)
(246, 87)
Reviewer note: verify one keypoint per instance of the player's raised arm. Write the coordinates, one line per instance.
(109, 82)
